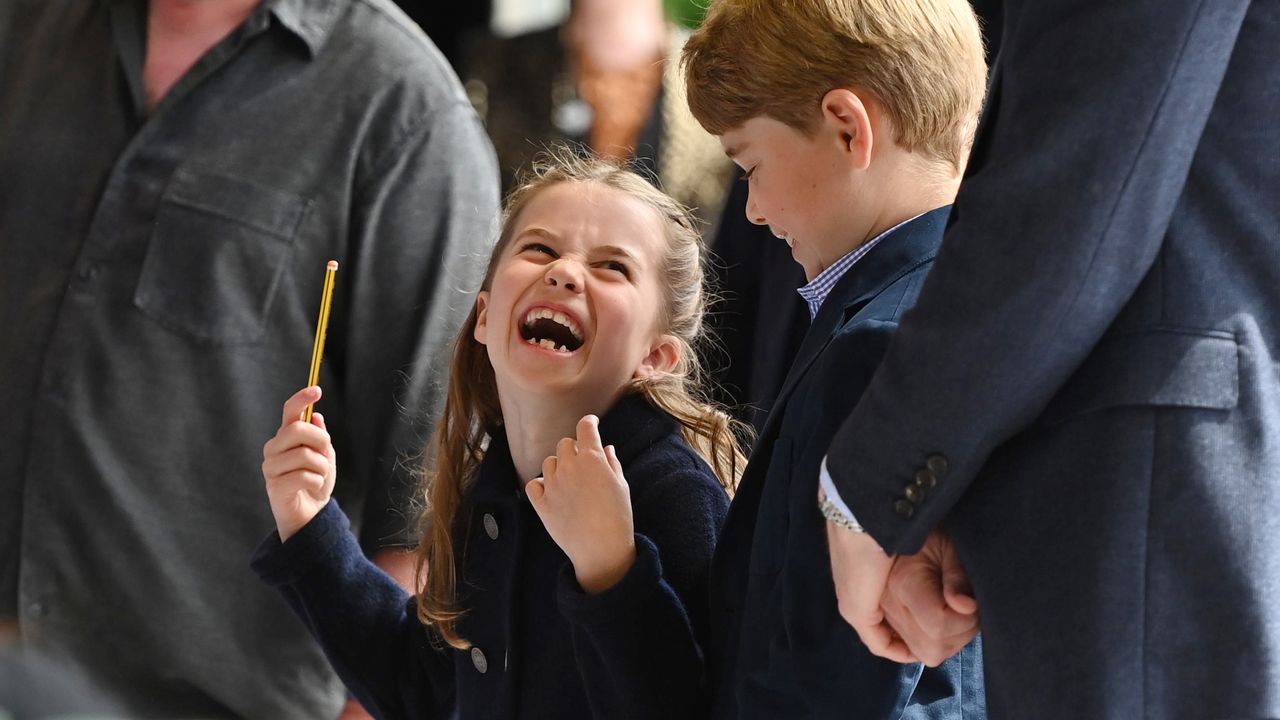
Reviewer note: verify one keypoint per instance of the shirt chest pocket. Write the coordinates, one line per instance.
(215, 256)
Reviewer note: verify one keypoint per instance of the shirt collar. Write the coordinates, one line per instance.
(310, 20)
(815, 292)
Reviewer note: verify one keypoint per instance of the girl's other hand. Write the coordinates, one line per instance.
(299, 465)
(585, 504)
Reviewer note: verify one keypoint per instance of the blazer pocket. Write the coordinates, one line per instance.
(773, 517)
(1169, 367)
(216, 255)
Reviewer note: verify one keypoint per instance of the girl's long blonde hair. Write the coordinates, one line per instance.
(471, 410)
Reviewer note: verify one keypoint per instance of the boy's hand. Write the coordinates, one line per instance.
(861, 569)
(585, 504)
(299, 465)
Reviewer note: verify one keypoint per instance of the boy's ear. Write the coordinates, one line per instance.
(481, 333)
(845, 112)
(663, 357)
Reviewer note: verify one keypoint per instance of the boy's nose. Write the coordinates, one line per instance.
(755, 216)
(566, 274)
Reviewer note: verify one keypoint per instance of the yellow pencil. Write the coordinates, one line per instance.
(322, 327)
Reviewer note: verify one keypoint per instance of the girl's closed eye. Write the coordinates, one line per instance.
(538, 247)
(616, 266)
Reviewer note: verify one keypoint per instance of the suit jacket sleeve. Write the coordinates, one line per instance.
(1083, 152)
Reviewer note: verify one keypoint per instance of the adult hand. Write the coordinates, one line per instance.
(585, 504)
(299, 465)
(860, 569)
(929, 603)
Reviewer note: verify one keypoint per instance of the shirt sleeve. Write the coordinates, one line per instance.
(1071, 187)
(421, 230)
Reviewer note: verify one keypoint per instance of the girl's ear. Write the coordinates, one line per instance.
(663, 357)
(849, 115)
(482, 317)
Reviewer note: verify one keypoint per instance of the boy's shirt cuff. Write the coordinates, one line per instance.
(833, 496)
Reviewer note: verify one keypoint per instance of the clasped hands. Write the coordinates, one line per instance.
(909, 608)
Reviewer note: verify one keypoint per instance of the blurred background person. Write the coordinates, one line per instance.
(174, 174)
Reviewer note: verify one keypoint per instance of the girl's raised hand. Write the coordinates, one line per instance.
(585, 504)
(299, 465)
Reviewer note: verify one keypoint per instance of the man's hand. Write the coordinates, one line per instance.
(860, 569)
(929, 603)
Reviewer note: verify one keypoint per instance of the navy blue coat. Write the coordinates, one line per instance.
(1090, 382)
(541, 647)
(779, 646)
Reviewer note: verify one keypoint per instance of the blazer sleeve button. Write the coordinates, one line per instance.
(904, 508)
(937, 463)
(926, 480)
(914, 493)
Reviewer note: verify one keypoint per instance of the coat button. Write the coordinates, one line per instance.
(490, 526)
(914, 493)
(925, 479)
(478, 659)
(937, 463)
(904, 508)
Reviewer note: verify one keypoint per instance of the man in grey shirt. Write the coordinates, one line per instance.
(173, 177)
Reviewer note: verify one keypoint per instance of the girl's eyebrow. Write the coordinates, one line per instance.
(615, 251)
(540, 232)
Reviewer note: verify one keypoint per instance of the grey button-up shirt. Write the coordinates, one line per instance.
(160, 276)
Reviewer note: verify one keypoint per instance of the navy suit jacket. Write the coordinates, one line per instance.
(1088, 386)
(779, 646)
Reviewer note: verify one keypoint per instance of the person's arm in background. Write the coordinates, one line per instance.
(421, 229)
(1083, 152)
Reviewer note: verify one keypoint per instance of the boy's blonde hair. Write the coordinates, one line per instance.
(922, 61)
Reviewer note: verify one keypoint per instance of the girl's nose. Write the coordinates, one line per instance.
(566, 274)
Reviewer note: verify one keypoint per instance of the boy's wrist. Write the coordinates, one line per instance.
(832, 506)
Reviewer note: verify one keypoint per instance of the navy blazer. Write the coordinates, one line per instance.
(541, 647)
(1088, 390)
(779, 646)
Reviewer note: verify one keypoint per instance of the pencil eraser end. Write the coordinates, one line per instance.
(333, 265)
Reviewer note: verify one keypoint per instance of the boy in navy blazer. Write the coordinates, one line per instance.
(853, 140)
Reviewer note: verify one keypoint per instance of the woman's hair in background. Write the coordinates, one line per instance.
(471, 410)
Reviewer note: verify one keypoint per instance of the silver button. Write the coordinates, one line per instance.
(37, 609)
(478, 659)
(490, 526)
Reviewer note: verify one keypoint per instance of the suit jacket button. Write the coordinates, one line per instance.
(490, 527)
(904, 508)
(926, 480)
(478, 659)
(937, 463)
(914, 493)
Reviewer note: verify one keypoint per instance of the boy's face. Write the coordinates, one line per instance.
(803, 187)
